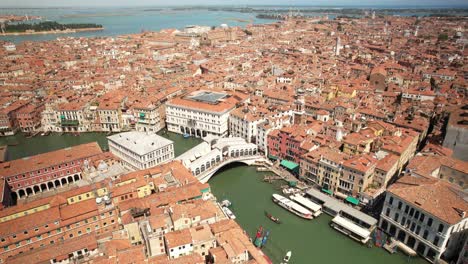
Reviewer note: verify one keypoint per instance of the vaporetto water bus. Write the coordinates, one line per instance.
(292, 206)
(301, 200)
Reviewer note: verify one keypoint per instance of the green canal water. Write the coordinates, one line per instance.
(310, 241)
(21, 146)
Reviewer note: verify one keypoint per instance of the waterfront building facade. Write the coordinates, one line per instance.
(140, 150)
(72, 117)
(202, 113)
(243, 123)
(47, 171)
(8, 121)
(290, 142)
(427, 215)
(29, 117)
(148, 117)
(109, 112)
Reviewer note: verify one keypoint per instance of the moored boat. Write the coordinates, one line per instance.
(289, 191)
(186, 135)
(225, 203)
(258, 237)
(228, 213)
(313, 207)
(292, 206)
(272, 218)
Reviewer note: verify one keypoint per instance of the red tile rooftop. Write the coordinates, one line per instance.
(59, 251)
(439, 198)
(37, 162)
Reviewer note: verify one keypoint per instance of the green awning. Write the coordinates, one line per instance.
(62, 117)
(292, 183)
(142, 115)
(272, 157)
(206, 190)
(327, 191)
(352, 200)
(289, 164)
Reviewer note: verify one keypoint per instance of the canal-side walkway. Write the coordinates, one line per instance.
(283, 174)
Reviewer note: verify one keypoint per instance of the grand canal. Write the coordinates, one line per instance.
(310, 241)
(21, 146)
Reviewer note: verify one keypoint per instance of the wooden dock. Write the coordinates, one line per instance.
(271, 178)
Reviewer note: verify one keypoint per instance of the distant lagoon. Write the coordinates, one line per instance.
(120, 21)
(131, 20)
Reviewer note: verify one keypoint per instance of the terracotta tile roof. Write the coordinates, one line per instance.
(45, 160)
(178, 238)
(441, 199)
(58, 251)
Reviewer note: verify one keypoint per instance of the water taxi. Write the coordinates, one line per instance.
(292, 206)
(228, 213)
(272, 218)
(315, 208)
(225, 203)
(290, 191)
(287, 257)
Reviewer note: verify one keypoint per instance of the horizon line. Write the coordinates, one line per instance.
(345, 6)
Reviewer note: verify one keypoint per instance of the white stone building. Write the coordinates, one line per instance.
(178, 243)
(243, 123)
(140, 150)
(427, 215)
(201, 113)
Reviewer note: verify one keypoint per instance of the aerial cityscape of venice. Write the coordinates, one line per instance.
(211, 131)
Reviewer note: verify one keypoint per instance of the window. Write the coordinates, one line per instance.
(400, 204)
(429, 222)
(436, 240)
(425, 234)
(421, 218)
(406, 209)
(441, 228)
(390, 201)
(396, 217)
(403, 220)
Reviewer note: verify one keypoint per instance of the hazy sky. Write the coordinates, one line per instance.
(79, 3)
